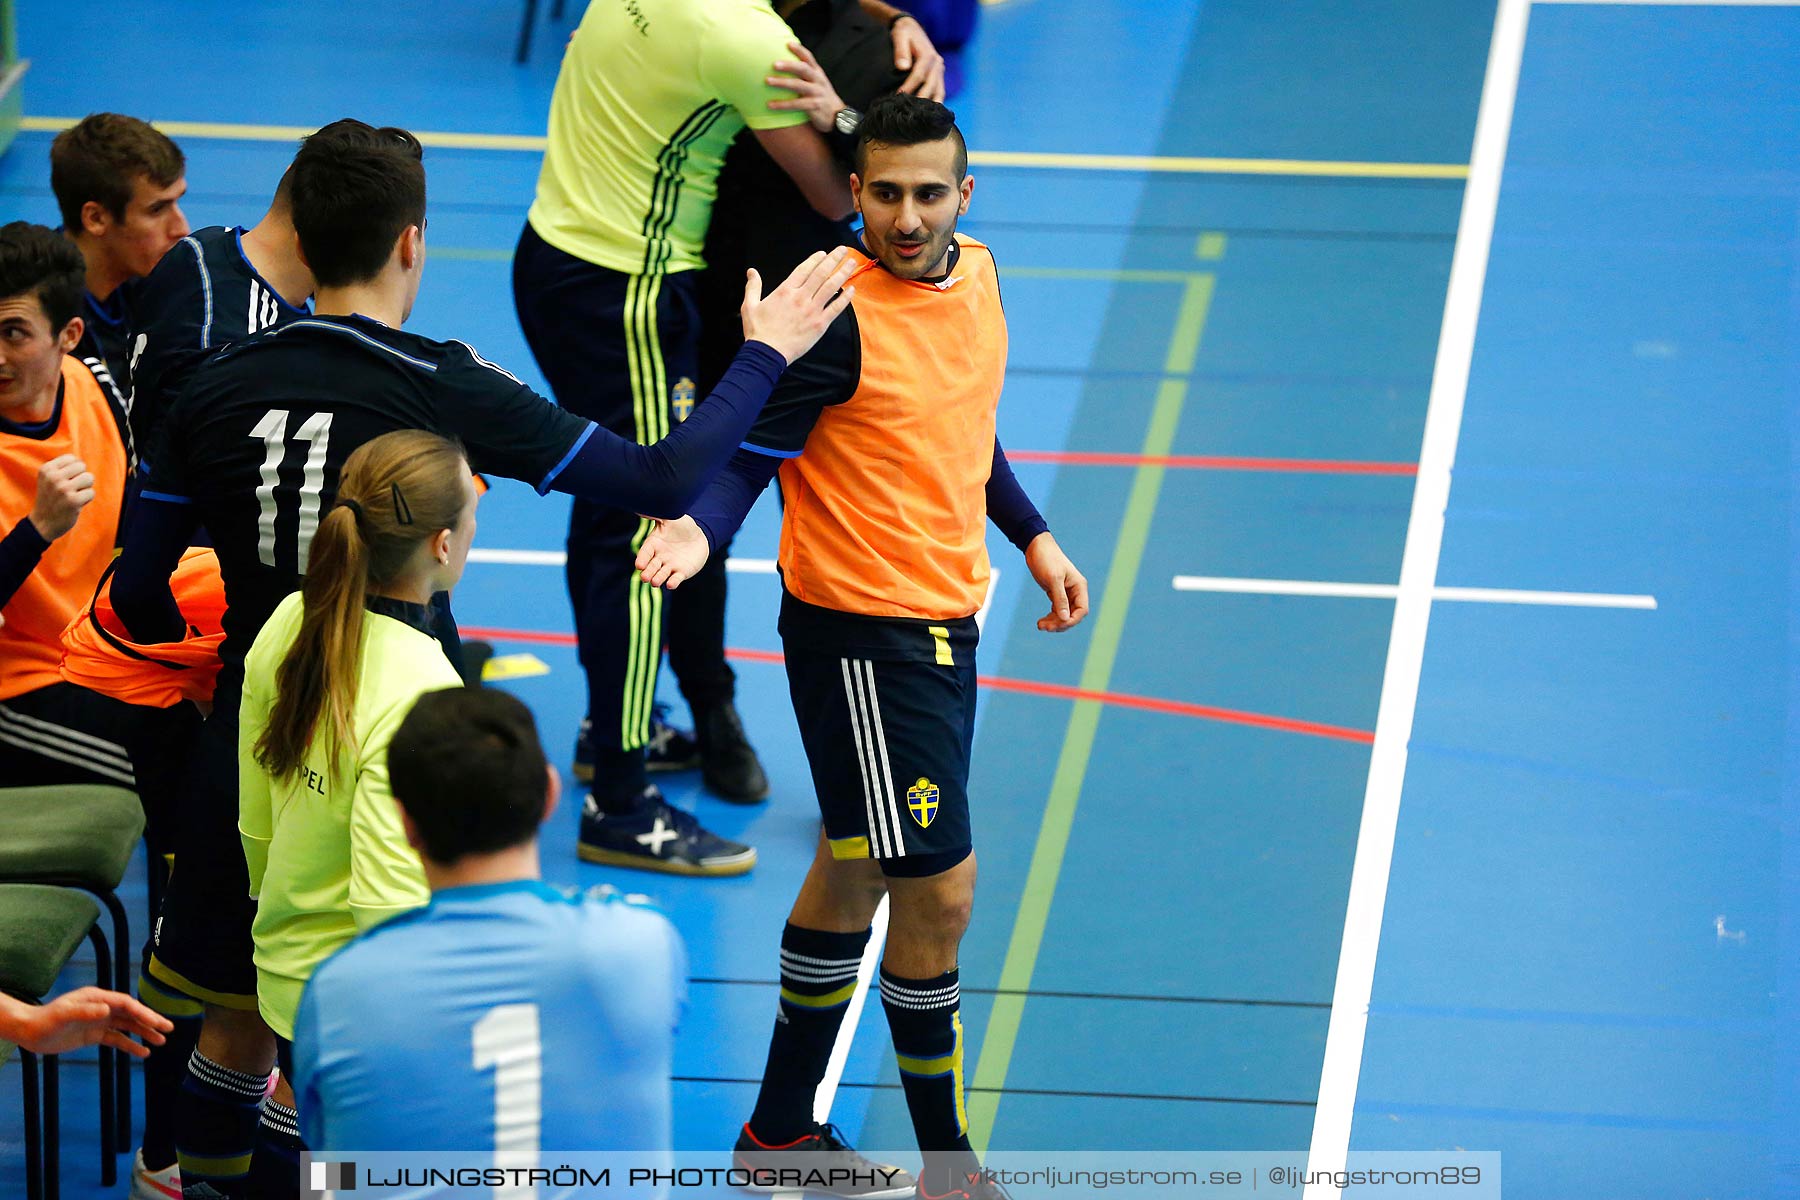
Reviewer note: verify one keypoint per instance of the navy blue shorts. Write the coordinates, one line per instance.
(888, 742)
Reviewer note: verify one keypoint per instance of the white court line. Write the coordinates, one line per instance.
(519, 558)
(1391, 591)
(1412, 607)
(840, 1049)
(736, 566)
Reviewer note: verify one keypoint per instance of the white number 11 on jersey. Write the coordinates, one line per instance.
(506, 1039)
(315, 431)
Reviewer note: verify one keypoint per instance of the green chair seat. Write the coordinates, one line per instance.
(79, 834)
(40, 930)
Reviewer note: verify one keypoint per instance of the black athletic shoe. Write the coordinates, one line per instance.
(728, 764)
(825, 1152)
(656, 836)
(669, 748)
(475, 657)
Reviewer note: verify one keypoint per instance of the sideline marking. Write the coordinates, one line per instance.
(989, 1077)
(1342, 1065)
(1025, 159)
(1390, 591)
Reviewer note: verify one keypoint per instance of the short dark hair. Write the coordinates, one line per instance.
(100, 158)
(354, 189)
(467, 767)
(42, 261)
(898, 120)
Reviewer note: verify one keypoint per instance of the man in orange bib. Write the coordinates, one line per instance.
(884, 440)
(63, 471)
(62, 482)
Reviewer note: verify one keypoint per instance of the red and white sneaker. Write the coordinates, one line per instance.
(825, 1160)
(154, 1185)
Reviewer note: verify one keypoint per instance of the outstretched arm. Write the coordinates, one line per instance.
(664, 479)
(676, 550)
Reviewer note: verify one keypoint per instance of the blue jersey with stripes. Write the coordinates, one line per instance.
(256, 439)
(201, 297)
(516, 1018)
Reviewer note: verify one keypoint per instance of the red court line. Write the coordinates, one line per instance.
(1213, 462)
(1180, 708)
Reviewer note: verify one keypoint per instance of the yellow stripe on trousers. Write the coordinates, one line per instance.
(650, 422)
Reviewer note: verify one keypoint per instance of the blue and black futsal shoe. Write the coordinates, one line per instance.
(669, 748)
(823, 1158)
(657, 836)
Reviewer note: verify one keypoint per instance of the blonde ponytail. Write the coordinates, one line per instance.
(394, 493)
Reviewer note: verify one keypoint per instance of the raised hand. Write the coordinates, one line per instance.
(813, 93)
(1066, 587)
(914, 53)
(674, 551)
(793, 317)
(64, 488)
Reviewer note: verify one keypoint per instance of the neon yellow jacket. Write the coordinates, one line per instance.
(327, 855)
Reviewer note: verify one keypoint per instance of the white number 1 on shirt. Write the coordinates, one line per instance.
(506, 1039)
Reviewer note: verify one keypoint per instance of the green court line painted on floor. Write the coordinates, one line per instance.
(989, 1080)
(1027, 159)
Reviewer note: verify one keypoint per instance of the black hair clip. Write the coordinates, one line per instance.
(402, 512)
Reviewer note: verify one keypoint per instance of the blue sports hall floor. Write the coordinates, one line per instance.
(1349, 820)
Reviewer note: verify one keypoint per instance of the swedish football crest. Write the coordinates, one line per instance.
(922, 799)
(682, 398)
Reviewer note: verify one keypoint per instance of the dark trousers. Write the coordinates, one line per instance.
(621, 350)
(68, 734)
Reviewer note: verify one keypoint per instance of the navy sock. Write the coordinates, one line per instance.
(215, 1128)
(818, 977)
(620, 778)
(165, 1068)
(275, 1171)
(924, 1018)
